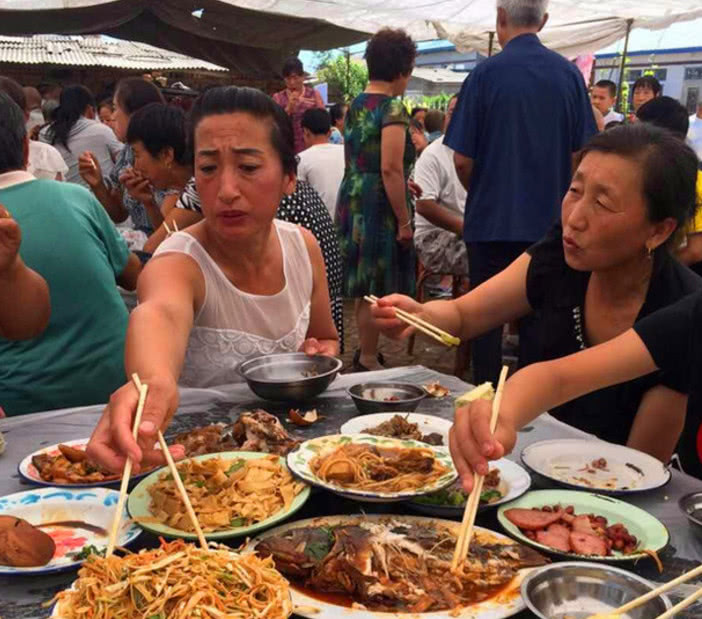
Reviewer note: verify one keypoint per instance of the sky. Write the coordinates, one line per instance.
(686, 34)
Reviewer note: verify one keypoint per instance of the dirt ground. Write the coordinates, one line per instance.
(427, 352)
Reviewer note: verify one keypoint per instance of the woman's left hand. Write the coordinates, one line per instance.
(414, 189)
(405, 236)
(137, 186)
(313, 346)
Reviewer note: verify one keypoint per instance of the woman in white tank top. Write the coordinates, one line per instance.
(236, 285)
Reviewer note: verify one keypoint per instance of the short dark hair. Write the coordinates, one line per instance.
(45, 88)
(105, 103)
(316, 120)
(649, 82)
(669, 167)
(230, 99)
(416, 125)
(159, 126)
(133, 93)
(416, 110)
(13, 134)
(336, 112)
(292, 66)
(613, 123)
(667, 113)
(13, 90)
(390, 54)
(434, 121)
(610, 85)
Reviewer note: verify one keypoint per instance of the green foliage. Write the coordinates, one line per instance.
(431, 102)
(347, 78)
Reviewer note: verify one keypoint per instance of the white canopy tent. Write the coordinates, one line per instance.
(573, 27)
(253, 35)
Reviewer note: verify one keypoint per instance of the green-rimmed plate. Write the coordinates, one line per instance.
(140, 499)
(299, 463)
(651, 532)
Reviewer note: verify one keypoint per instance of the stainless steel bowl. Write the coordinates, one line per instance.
(576, 590)
(691, 506)
(374, 397)
(294, 377)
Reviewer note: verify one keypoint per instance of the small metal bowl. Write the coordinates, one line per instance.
(691, 506)
(292, 377)
(577, 590)
(375, 397)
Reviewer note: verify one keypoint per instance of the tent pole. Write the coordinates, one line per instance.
(618, 105)
(491, 43)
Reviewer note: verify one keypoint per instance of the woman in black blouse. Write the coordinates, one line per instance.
(591, 279)
(669, 340)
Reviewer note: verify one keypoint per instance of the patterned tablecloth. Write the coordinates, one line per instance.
(21, 597)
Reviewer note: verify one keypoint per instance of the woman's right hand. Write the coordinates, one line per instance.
(89, 169)
(112, 442)
(472, 443)
(385, 319)
(10, 239)
(405, 235)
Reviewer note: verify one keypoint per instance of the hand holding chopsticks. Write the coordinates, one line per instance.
(142, 388)
(421, 325)
(466, 531)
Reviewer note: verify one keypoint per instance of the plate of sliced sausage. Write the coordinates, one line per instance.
(582, 525)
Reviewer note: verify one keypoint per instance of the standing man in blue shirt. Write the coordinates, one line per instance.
(521, 116)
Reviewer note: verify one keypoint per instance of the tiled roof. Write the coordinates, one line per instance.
(95, 51)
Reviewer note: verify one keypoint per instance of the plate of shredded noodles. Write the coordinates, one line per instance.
(176, 581)
(373, 468)
(232, 493)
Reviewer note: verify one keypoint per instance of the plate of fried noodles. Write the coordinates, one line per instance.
(176, 581)
(233, 494)
(372, 468)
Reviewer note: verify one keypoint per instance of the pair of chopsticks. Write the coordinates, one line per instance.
(421, 325)
(143, 388)
(466, 532)
(168, 230)
(662, 589)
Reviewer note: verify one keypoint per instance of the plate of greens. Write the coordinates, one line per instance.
(506, 481)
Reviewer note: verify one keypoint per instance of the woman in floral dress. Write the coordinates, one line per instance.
(373, 212)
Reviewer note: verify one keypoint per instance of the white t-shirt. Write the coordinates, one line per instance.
(435, 173)
(322, 166)
(613, 116)
(694, 134)
(45, 161)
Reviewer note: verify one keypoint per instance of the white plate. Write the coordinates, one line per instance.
(515, 481)
(566, 461)
(95, 506)
(28, 471)
(510, 600)
(299, 464)
(428, 424)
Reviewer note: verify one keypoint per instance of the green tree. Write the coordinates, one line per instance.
(347, 78)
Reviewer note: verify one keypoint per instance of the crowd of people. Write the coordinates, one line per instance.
(244, 224)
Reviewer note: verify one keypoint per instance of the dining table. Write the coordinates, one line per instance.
(24, 596)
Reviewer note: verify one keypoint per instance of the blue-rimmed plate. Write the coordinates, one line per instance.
(29, 472)
(299, 462)
(94, 507)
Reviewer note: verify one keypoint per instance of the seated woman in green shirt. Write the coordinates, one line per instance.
(69, 240)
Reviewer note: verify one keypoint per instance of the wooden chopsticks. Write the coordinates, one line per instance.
(662, 589)
(126, 474)
(688, 601)
(169, 232)
(421, 325)
(178, 481)
(143, 388)
(466, 532)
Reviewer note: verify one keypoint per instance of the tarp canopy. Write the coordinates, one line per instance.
(573, 27)
(250, 41)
